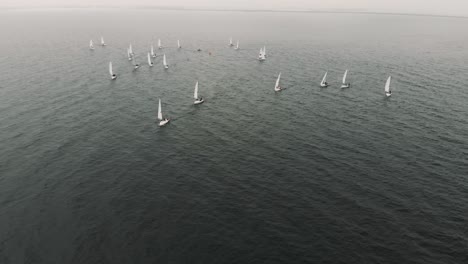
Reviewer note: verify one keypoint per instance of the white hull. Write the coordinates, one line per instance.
(166, 67)
(388, 94)
(324, 85)
(164, 122)
(198, 102)
(137, 66)
(154, 56)
(347, 85)
(114, 77)
(278, 89)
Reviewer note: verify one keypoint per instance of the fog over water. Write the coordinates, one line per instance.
(436, 7)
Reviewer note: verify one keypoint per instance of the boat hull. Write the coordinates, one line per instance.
(164, 122)
(346, 85)
(197, 102)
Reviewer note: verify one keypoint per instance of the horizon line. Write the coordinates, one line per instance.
(177, 8)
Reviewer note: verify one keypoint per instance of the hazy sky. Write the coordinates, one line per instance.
(445, 7)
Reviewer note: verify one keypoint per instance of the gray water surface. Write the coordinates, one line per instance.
(308, 175)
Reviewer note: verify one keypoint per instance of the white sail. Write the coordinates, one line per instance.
(152, 51)
(130, 49)
(102, 41)
(237, 46)
(387, 85)
(264, 51)
(129, 55)
(110, 69)
(278, 81)
(178, 44)
(344, 76)
(165, 61)
(159, 43)
(160, 117)
(195, 93)
(150, 63)
(91, 46)
(324, 80)
(230, 42)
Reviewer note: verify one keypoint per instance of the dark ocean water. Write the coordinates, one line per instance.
(308, 175)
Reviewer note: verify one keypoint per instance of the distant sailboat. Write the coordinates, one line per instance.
(324, 81)
(150, 63)
(129, 54)
(264, 51)
(135, 64)
(112, 74)
(237, 46)
(277, 85)
(166, 66)
(344, 83)
(130, 49)
(152, 52)
(162, 121)
(91, 46)
(261, 55)
(230, 42)
(178, 44)
(195, 96)
(159, 44)
(102, 42)
(388, 92)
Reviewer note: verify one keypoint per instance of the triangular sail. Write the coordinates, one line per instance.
(195, 93)
(387, 85)
(110, 69)
(102, 41)
(324, 78)
(159, 43)
(264, 51)
(149, 60)
(178, 44)
(130, 49)
(278, 80)
(230, 41)
(237, 46)
(164, 60)
(344, 76)
(160, 117)
(91, 44)
(152, 50)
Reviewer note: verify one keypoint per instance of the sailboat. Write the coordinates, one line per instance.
(344, 83)
(130, 49)
(195, 95)
(135, 63)
(112, 74)
(91, 46)
(237, 46)
(230, 42)
(178, 44)
(166, 66)
(162, 121)
(152, 51)
(277, 85)
(150, 63)
(129, 54)
(264, 51)
(388, 92)
(159, 44)
(261, 55)
(102, 42)
(324, 81)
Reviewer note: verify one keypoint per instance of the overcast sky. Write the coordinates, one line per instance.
(443, 7)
